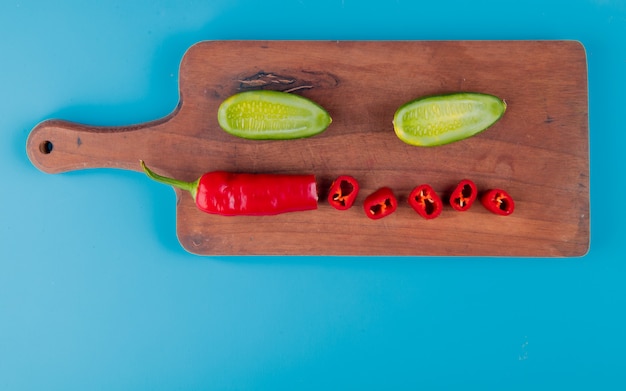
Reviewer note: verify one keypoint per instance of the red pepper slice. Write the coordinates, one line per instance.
(343, 192)
(498, 201)
(380, 203)
(463, 195)
(425, 201)
(230, 194)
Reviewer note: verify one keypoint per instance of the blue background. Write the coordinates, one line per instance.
(97, 294)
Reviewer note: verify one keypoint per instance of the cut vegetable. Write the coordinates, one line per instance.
(464, 195)
(343, 192)
(380, 203)
(442, 119)
(498, 201)
(271, 115)
(241, 194)
(425, 201)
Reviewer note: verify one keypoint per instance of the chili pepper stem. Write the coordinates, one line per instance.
(191, 187)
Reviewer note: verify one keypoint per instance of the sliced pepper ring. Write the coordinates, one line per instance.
(498, 201)
(463, 195)
(343, 192)
(425, 201)
(380, 203)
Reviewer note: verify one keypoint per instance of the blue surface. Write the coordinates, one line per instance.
(97, 294)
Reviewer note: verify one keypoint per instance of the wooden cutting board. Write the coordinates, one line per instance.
(538, 152)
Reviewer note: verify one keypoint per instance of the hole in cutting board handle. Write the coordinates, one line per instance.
(46, 147)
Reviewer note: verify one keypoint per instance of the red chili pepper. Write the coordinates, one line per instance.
(498, 201)
(463, 195)
(343, 192)
(425, 201)
(380, 203)
(231, 194)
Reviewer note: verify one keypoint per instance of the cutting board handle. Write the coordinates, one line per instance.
(56, 146)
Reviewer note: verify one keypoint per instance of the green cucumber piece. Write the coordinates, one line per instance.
(442, 119)
(271, 115)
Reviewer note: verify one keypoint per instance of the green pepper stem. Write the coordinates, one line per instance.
(191, 187)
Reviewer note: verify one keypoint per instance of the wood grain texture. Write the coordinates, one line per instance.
(538, 151)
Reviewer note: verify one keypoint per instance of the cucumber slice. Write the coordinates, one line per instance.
(442, 119)
(271, 115)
